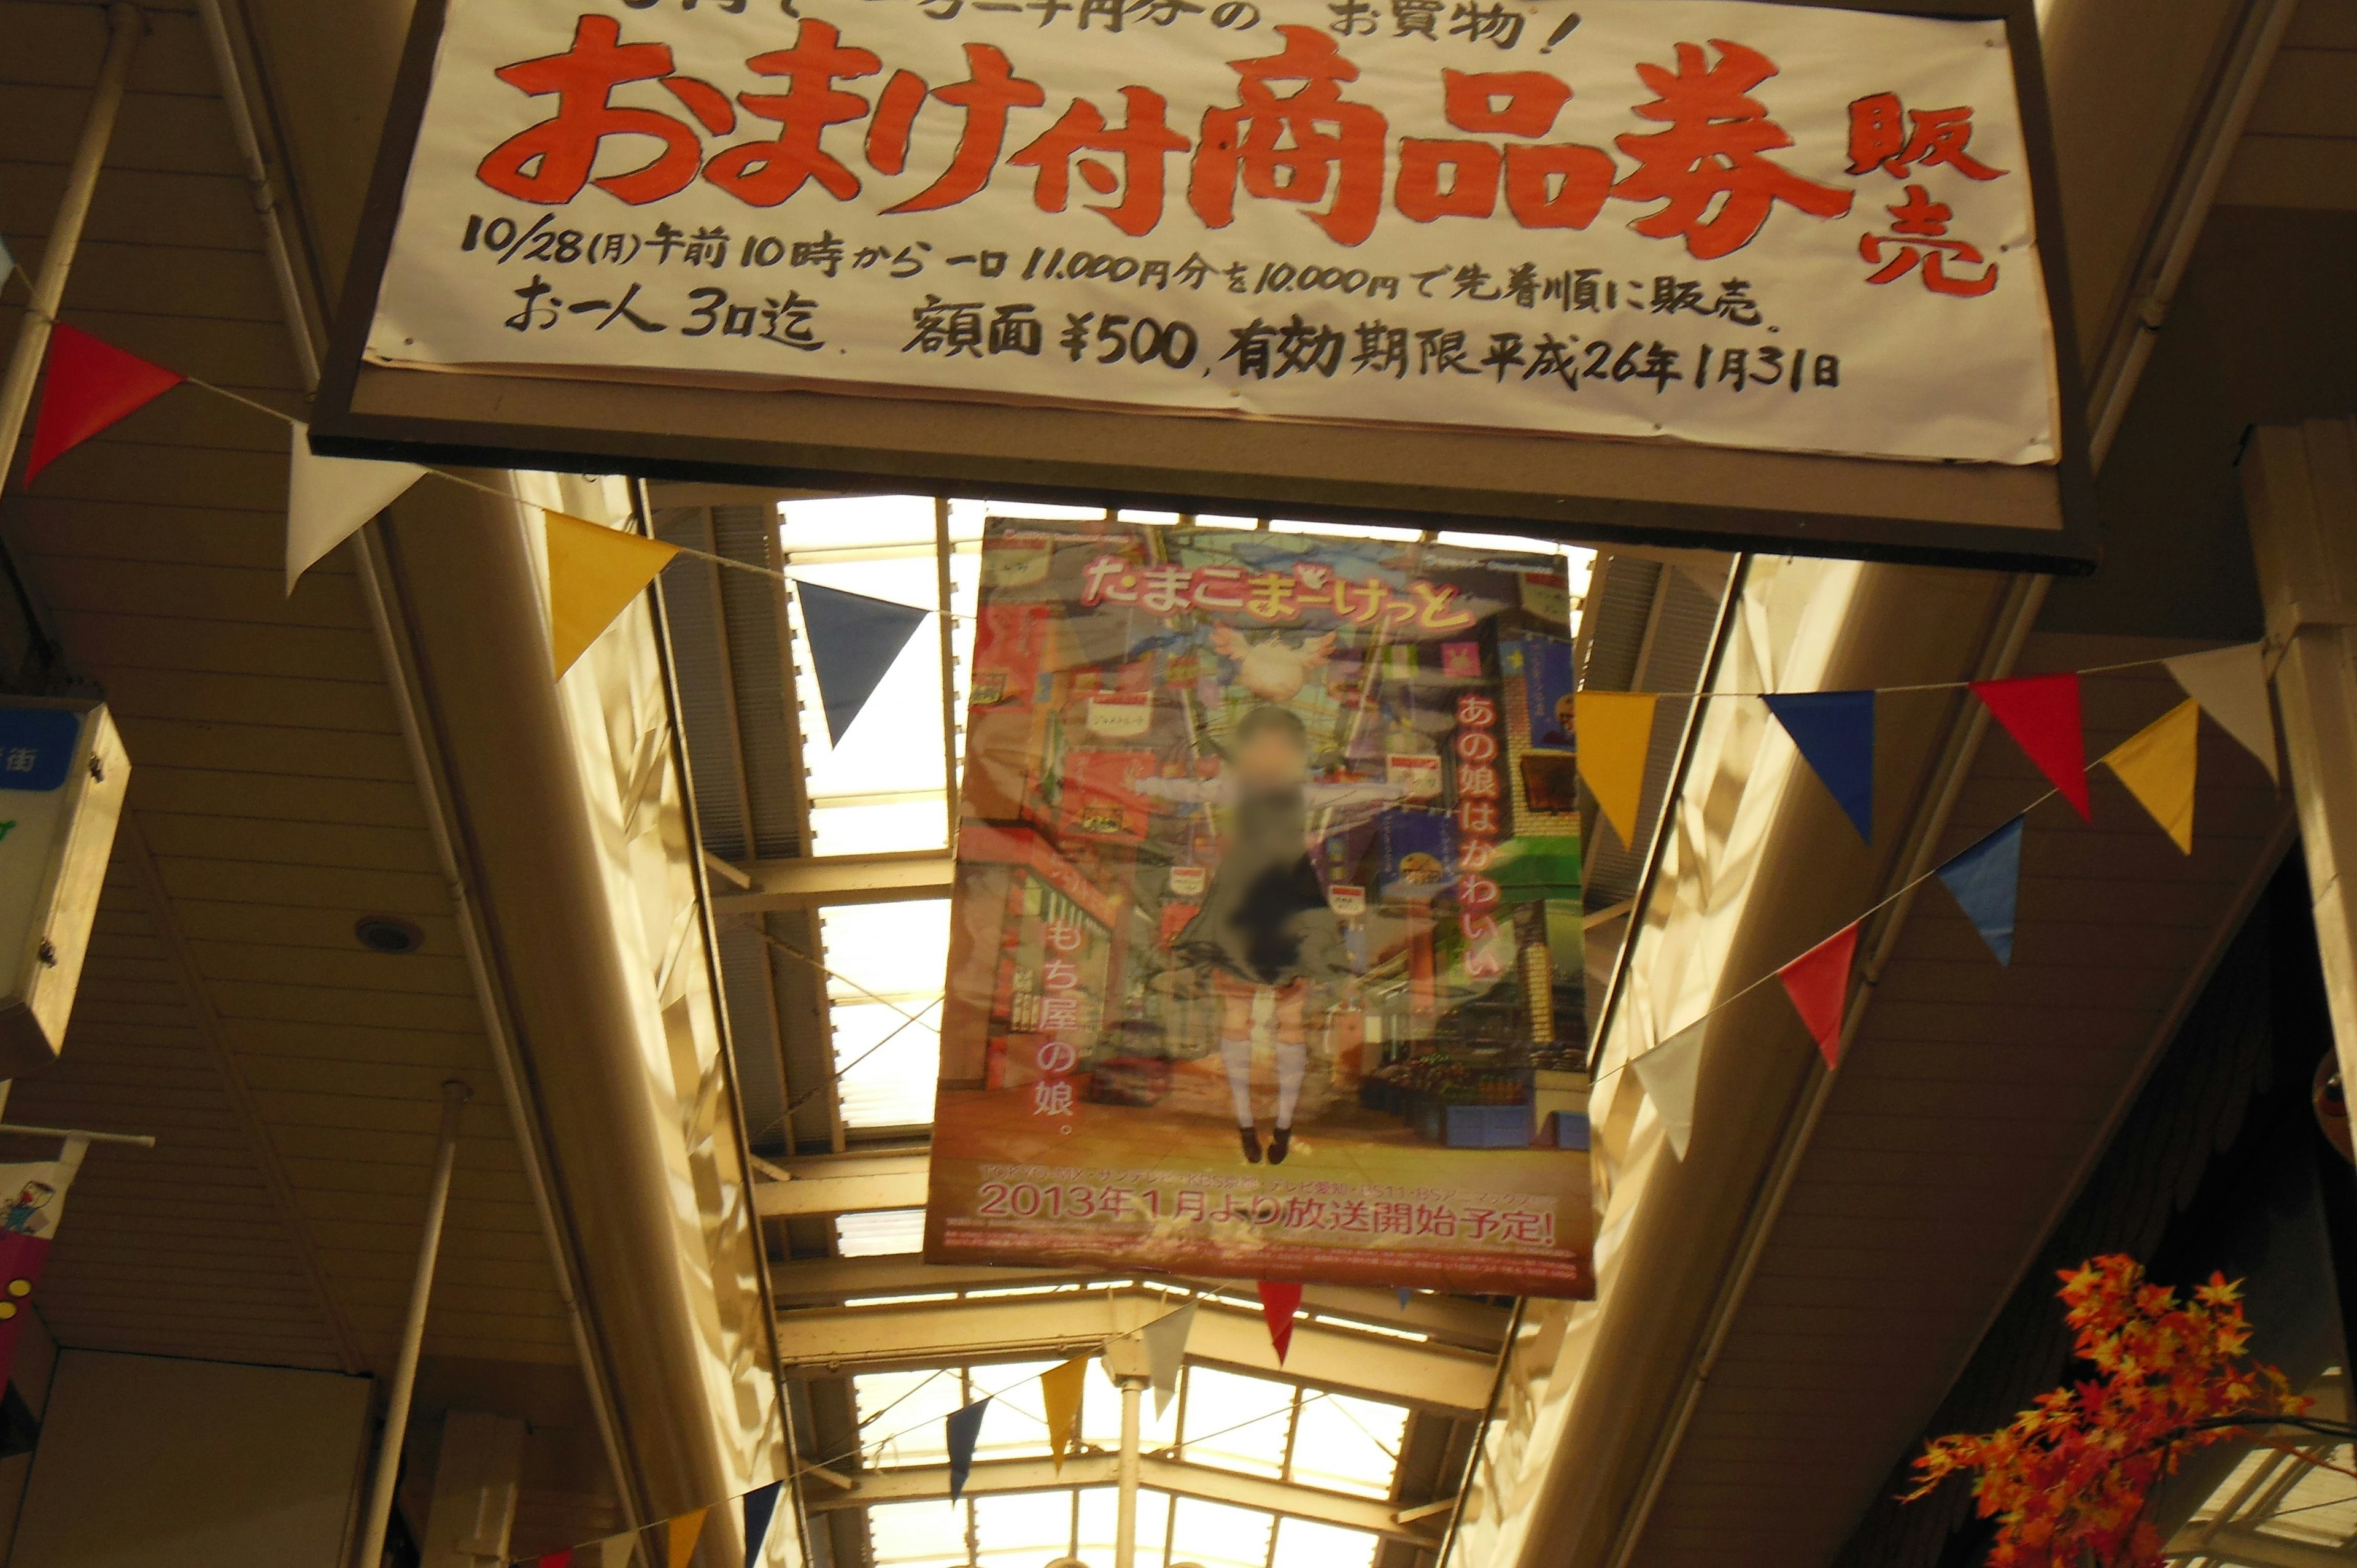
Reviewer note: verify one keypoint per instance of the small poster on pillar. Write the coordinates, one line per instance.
(1267, 957)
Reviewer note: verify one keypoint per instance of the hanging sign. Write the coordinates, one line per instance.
(1023, 233)
(62, 775)
(1305, 1027)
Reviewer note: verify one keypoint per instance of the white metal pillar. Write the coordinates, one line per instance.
(1125, 1530)
(2300, 489)
(125, 25)
(455, 1095)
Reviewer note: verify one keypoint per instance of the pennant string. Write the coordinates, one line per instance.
(258, 406)
(1868, 913)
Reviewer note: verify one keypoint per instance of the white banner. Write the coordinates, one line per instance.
(1723, 222)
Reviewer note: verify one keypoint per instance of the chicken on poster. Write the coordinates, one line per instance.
(1314, 1024)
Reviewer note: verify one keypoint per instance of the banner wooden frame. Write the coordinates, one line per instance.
(1586, 489)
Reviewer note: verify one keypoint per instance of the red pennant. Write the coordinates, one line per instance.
(1278, 1303)
(90, 385)
(2041, 714)
(557, 1559)
(1818, 984)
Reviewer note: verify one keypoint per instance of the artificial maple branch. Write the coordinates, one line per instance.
(2069, 1481)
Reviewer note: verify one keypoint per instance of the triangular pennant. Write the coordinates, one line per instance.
(761, 1506)
(616, 1550)
(854, 640)
(1166, 1352)
(89, 386)
(555, 1559)
(1834, 731)
(1986, 882)
(2041, 714)
(1403, 1293)
(1818, 984)
(1060, 1391)
(1667, 1074)
(2157, 763)
(681, 1537)
(594, 572)
(1278, 1303)
(7, 262)
(2231, 685)
(1614, 732)
(964, 1430)
(328, 500)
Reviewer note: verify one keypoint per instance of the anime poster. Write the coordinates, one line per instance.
(1781, 227)
(1266, 959)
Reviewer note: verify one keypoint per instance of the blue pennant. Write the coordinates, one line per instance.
(854, 640)
(964, 1428)
(1986, 881)
(1835, 730)
(760, 1503)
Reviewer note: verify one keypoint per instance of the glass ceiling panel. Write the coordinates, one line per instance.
(1099, 1509)
(1219, 1536)
(886, 964)
(904, 1412)
(1301, 1543)
(1241, 1422)
(917, 1535)
(879, 1232)
(1347, 1444)
(1024, 1531)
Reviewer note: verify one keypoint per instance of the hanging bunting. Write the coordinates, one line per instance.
(2041, 714)
(1986, 882)
(594, 572)
(1060, 1391)
(1834, 732)
(1166, 1352)
(618, 1550)
(2231, 685)
(1403, 1293)
(7, 262)
(1278, 1303)
(854, 640)
(328, 500)
(87, 387)
(555, 1559)
(1667, 1074)
(1614, 733)
(1818, 984)
(965, 1428)
(2157, 763)
(680, 1536)
(761, 1506)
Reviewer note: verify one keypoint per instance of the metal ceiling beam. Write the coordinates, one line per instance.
(828, 1282)
(841, 1185)
(805, 884)
(923, 1483)
(885, 1336)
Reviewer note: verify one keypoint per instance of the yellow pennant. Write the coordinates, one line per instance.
(1060, 1391)
(594, 572)
(684, 1532)
(2156, 764)
(1614, 731)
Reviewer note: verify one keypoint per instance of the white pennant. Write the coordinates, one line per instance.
(1667, 1075)
(1165, 1349)
(328, 498)
(2231, 685)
